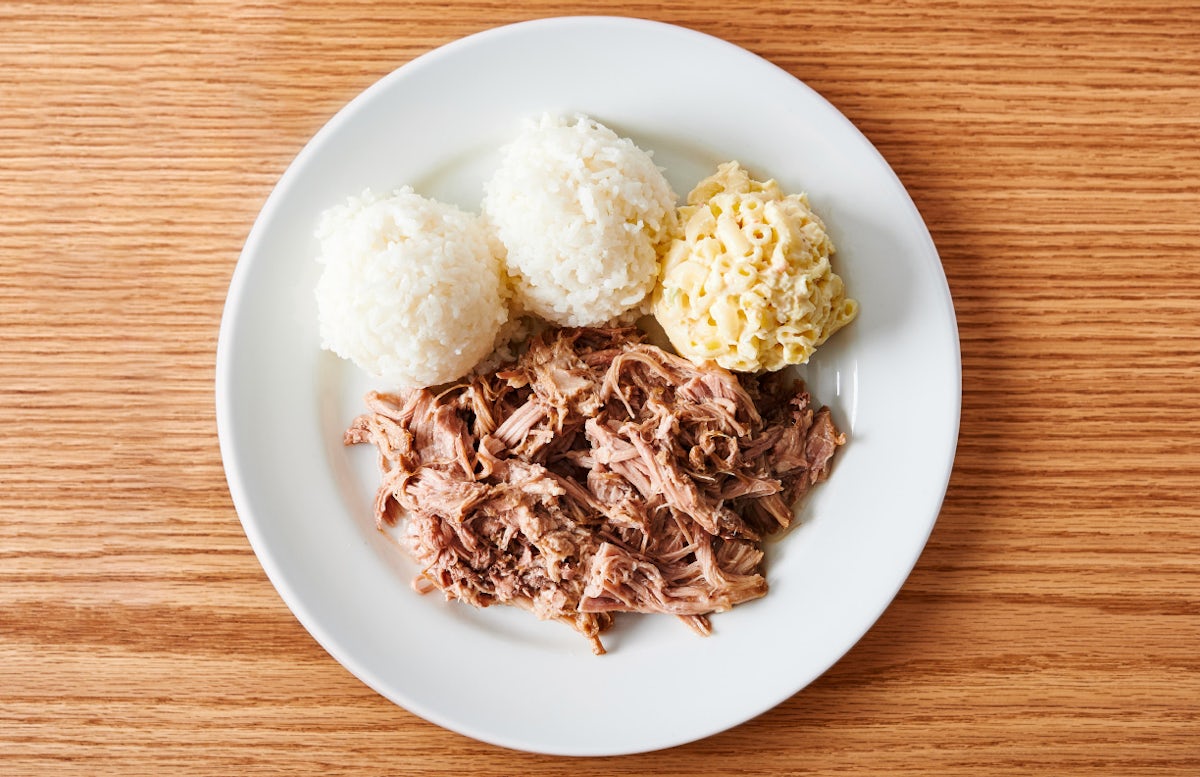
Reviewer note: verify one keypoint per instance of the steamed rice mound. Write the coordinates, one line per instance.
(581, 213)
(412, 290)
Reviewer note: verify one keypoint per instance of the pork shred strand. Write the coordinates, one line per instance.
(596, 474)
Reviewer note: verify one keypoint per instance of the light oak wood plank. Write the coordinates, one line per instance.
(1052, 624)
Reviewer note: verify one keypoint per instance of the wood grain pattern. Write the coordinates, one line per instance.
(1051, 627)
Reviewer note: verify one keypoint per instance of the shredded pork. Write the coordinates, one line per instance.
(597, 474)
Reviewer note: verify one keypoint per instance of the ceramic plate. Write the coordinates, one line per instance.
(892, 379)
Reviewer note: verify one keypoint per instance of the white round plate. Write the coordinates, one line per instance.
(892, 379)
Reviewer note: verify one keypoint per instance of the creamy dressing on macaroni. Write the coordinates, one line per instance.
(748, 283)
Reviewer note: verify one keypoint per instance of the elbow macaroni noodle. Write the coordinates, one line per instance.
(748, 283)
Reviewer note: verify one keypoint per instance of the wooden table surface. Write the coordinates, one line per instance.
(1052, 625)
